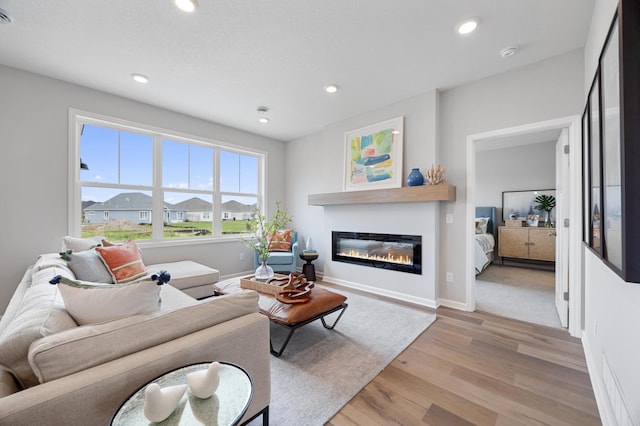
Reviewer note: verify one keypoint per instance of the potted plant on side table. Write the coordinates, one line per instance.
(262, 231)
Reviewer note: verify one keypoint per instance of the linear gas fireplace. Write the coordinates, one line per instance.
(387, 251)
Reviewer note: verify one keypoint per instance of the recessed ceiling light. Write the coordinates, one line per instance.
(262, 109)
(507, 52)
(140, 78)
(331, 88)
(263, 120)
(187, 5)
(468, 26)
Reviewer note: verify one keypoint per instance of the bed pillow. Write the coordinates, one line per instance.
(123, 261)
(281, 240)
(481, 225)
(87, 266)
(80, 244)
(90, 303)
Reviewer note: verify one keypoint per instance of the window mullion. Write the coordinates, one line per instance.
(157, 227)
(217, 198)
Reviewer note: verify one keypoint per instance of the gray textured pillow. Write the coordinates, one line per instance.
(87, 266)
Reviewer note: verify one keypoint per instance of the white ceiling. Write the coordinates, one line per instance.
(230, 56)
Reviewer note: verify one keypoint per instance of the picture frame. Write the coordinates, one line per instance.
(611, 159)
(533, 219)
(373, 156)
(595, 156)
(611, 130)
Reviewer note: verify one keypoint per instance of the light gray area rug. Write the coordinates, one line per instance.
(520, 293)
(322, 370)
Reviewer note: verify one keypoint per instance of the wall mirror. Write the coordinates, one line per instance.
(518, 204)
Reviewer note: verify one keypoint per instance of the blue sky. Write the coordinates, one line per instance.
(184, 166)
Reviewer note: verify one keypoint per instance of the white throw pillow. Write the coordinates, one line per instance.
(481, 225)
(90, 303)
(80, 244)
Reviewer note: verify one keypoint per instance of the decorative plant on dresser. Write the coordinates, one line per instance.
(546, 203)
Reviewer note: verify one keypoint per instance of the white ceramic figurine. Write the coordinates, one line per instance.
(203, 383)
(159, 402)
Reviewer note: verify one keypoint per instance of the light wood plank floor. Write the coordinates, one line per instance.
(479, 368)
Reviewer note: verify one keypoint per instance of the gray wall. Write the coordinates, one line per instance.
(543, 91)
(34, 134)
(612, 313)
(321, 160)
(518, 168)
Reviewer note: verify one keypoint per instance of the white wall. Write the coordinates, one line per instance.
(542, 91)
(320, 161)
(34, 136)
(612, 314)
(518, 168)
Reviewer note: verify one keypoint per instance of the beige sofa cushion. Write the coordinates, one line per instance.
(187, 275)
(83, 347)
(41, 313)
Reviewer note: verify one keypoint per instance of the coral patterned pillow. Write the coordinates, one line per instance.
(281, 240)
(123, 261)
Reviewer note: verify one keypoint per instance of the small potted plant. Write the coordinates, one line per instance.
(261, 232)
(546, 203)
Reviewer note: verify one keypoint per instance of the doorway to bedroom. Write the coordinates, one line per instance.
(518, 285)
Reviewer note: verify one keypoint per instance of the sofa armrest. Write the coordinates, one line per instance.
(92, 396)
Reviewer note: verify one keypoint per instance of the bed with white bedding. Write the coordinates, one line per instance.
(485, 238)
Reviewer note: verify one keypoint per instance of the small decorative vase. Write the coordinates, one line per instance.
(415, 178)
(547, 220)
(264, 272)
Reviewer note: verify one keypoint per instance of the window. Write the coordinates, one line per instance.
(149, 184)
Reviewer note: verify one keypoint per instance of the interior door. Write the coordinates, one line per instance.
(562, 211)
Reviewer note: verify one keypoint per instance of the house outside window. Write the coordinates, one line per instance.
(131, 166)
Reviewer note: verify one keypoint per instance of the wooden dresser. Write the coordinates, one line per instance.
(527, 243)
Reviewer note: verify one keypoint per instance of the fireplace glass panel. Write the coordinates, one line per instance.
(388, 251)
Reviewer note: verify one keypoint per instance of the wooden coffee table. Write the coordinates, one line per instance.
(293, 316)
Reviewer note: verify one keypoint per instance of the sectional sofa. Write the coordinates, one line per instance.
(54, 371)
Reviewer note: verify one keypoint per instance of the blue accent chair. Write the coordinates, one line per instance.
(281, 261)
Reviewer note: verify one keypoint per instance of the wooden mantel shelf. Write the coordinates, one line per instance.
(407, 194)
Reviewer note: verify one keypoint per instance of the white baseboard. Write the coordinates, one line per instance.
(452, 304)
(381, 292)
(607, 416)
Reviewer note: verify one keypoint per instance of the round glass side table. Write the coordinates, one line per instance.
(225, 408)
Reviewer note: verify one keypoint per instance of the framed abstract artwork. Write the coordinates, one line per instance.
(373, 156)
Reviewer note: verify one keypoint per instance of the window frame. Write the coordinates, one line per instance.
(77, 118)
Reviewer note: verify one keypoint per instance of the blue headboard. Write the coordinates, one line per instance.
(490, 212)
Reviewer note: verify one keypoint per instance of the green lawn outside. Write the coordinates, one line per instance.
(173, 230)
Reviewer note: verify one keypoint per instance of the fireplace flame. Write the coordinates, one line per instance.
(400, 260)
